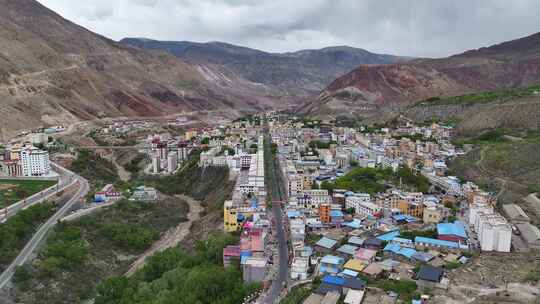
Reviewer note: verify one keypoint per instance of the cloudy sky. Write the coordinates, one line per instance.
(423, 28)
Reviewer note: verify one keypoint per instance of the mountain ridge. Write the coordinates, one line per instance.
(303, 73)
(369, 89)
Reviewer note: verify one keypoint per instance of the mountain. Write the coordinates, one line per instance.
(53, 71)
(368, 90)
(302, 73)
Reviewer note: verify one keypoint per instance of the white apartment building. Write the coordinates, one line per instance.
(494, 232)
(368, 209)
(172, 161)
(34, 162)
(311, 199)
(354, 201)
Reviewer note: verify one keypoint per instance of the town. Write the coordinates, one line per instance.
(352, 207)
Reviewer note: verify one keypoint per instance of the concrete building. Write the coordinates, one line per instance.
(432, 215)
(254, 269)
(172, 161)
(299, 268)
(494, 232)
(34, 162)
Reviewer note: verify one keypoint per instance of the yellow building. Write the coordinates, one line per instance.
(412, 209)
(432, 215)
(190, 134)
(354, 265)
(231, 215)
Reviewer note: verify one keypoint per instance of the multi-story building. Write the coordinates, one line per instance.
(494, 232)
(34, 162)
(353, 201)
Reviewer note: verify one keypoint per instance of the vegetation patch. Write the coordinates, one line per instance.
(174, 276)
(482, 97)
(94, 168)
(18, 229)
(12, 191)
(374, 180)
(78, 255)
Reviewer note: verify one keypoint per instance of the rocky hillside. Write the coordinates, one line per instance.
(368, 89)
(303, 73)
(53, 71)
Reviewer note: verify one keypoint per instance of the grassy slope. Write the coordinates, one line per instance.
(17, 230)
(78, 255)
(482, 97)
(509, 166)
(12, 191)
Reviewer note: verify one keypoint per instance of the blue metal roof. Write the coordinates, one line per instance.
(350, 273)
(397, 249)
(356, 240)
(436, 242)
(402, 240)
(347, 249)
(293, 213)
(456, 228)
(332, 259)
(336, 213)
(355, 224)
(388, 236)
(333, 280)
(326, 243)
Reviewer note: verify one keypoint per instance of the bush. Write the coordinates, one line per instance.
(173, 274)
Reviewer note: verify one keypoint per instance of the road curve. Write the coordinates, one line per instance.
(65, 181)
(36, 239)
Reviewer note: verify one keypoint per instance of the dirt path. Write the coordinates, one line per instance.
(122, 172)
(172, 237)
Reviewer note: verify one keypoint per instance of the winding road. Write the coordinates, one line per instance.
(41, 233)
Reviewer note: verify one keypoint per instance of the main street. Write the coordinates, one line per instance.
(275, 189)
(40, 235)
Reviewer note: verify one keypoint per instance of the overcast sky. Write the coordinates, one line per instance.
(422, 28)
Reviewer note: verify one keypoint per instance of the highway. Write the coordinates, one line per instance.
(65, 181)
(41, 234)
(277, 196)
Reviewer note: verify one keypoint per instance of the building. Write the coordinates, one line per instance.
(230, 253)
(324, 213)
(454, 232)
(428, 276)
(34, 162)
(144, 194)
(432, 215)
(331, 264)
(254, 269)
(493, 230)
(299, 268)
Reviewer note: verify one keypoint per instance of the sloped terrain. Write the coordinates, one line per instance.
(53, 71)
(511, 64)
(302, 73)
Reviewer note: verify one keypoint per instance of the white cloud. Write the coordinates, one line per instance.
(419, 28)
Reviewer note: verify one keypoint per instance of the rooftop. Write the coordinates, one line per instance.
(326, 243)
(456, 228)
(331, 259)
(430, 273)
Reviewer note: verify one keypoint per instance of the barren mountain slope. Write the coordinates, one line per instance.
(369, 88)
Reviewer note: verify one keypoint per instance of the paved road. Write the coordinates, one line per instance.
(277, 196)
(66, 180)
(36, 239)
